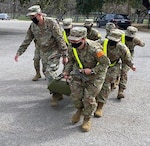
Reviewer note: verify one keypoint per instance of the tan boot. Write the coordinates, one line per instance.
(76, 116)
(36, 77)
(120, 95)
(86, 126)
(113, 86)
(37, 69)
(55, 99)
(98, 113)
(60, 97)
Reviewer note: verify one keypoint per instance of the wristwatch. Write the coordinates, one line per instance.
(92, 72)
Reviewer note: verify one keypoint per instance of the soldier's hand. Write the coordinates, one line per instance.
(66, 75)
(86, 71)
(16, 58)
(133, 68)
(64, 60)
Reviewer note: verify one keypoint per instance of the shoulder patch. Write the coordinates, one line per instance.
(99, 53)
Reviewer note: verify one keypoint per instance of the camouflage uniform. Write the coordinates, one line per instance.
(114, 53)
(37, 58)
(92, 34)
(83, 93)
(131, 41)
(109, 27)
(48, 40)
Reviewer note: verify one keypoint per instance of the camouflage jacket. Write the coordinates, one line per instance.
(135, 42)
(122, 52)
(47, 37)
(91, 56)
(93, 34)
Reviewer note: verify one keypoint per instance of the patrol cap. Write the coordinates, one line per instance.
(109, 26)
(88, 22)
(115, 35)
(131, 31)
(77, 33)
(67, 23)
(34, 10)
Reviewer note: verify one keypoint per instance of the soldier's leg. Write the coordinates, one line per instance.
(51, 73)
(102, 98)
(123, 81)
(111, 76)
(90, 92)
(37, 64)
(76, 96)
(37, 69)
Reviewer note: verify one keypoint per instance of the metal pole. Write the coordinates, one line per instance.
(149, 22)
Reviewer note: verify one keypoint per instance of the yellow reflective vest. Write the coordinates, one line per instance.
(65, 37)
(106, 43)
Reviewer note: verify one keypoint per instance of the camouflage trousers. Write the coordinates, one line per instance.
(111, 76)
(84, 94)
(123, 76)
(37, 55)
(50, 65)
(37, 58)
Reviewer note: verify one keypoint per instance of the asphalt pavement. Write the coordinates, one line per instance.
(27, 119)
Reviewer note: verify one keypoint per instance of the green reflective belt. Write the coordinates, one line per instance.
(65, 37)
(77, 58)
(112, 64)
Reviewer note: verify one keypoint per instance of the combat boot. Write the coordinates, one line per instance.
(98, 113)
(55, 99)
(36, 77)
(37, 69)
(76, 116)
(115, 84)
(86, 126)
(120, 95)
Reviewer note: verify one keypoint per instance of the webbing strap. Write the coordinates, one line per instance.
(77, 58)
(123, 38)
(105, 46)
(65, 37)
(112, 64)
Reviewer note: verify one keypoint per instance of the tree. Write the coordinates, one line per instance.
(86, 6)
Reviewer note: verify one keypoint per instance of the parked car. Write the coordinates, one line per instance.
(4, 16)
(120, 20)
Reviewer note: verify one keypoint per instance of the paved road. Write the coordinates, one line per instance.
(26, 118)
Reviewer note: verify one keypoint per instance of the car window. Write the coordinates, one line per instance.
(109, 16)
(119, 17)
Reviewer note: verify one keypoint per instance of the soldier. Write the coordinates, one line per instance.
(48, 39)
(92, 33)
(109, 27)
(67, 25)
(131, 41)
(115, 51)
(88, 59)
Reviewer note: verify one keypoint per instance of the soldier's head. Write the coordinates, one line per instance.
(77, 37)
(110, 26)
(35, 14)
(88, 23)
(114, 37)
(130, 33)
(67, 25)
